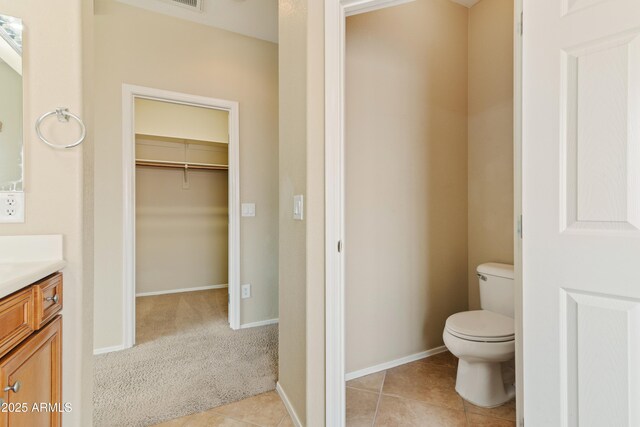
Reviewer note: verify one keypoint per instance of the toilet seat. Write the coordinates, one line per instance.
(481, 326)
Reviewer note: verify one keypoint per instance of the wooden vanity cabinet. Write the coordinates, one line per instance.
(31, 370)
(34, 372)
(16, 319)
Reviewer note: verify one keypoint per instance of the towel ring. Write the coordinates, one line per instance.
(63, 115)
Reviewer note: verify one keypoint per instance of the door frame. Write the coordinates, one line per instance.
(336, 12)
(129, 94)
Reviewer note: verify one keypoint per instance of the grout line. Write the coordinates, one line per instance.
(363, 390)
(423, 402)
(375, 415)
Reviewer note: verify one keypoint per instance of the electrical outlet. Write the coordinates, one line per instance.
(246, 291)
(11, 207)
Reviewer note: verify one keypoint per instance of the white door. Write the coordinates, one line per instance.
(581, 207)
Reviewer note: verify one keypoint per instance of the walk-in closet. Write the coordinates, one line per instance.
(181, 217)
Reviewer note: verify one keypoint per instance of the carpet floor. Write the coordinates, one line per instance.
(186, 360)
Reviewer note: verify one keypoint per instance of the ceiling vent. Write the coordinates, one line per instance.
(195, 5)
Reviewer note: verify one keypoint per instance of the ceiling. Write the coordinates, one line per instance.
(254, 18)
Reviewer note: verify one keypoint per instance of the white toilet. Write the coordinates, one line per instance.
(483, 339)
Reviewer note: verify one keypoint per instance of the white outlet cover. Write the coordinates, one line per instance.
(11, 207)
(248, 209)
(246, 291)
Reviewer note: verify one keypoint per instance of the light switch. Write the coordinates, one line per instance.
(248, 209)
(298, 207)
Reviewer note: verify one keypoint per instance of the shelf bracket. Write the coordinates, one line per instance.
(185, 180)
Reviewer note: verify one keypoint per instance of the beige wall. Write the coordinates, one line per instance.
(181, 234)
(301, 344)
(293, 180)
(406, 179)
(138, 47)
(490, 137)
(315, 216)
(11, 133)
(53, 76)
(181, 121)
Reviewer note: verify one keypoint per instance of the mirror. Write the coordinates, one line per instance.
(11, 146)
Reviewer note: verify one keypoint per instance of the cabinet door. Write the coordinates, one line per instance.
(31, 375)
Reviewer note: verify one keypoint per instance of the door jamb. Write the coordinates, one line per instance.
(129, 94)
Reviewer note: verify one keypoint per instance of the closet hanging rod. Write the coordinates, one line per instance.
(179, 165)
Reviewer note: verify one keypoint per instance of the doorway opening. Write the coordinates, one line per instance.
(181, 217)
(366, 165)
(168, 148)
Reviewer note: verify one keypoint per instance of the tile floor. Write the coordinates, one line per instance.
(264, 410)
(420, 394)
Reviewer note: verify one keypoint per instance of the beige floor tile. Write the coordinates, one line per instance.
(361, 407)
(286, 422)
(506, 411)
(264, 410)
(442, 359)
(396, 412)
(371, 382)
(208, 419)
(476, 420)
(429, 383)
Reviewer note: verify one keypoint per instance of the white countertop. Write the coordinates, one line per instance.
(17, 275)
(27, 259)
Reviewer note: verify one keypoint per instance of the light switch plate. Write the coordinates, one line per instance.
(298, 207)
(248, 209)
(246, 291)
(11, 207)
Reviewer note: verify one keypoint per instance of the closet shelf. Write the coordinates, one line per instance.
(179, 165)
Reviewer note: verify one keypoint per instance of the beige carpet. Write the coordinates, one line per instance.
(187, 360)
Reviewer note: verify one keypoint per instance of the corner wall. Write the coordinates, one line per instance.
(139, 47)
(292, 35)
(490, 137)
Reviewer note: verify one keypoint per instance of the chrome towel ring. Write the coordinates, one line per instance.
(63, 115)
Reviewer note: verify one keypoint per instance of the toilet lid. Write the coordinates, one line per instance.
(481, 325)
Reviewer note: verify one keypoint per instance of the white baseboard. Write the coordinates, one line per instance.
(287, 405)
(104, 350)
(176, 291)
(260, 323)
(393, 363)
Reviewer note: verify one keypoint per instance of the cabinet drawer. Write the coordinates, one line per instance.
(32, 375)
(47, 296)
(16, 319)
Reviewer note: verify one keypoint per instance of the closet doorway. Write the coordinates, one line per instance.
(181, 212)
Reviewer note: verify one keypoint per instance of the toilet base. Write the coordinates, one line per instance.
(481, 383)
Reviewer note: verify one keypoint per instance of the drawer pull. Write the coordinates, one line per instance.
(14, 388)
(53, 298)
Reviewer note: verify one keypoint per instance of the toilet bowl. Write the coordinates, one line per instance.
(480, 351)
(483, 339)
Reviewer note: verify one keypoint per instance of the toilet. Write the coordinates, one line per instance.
(483, 339)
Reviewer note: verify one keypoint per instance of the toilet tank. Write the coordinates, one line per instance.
(496, 288)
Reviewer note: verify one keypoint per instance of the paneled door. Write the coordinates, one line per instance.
(581, 212)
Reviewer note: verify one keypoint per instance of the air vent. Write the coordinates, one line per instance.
(195, 5)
